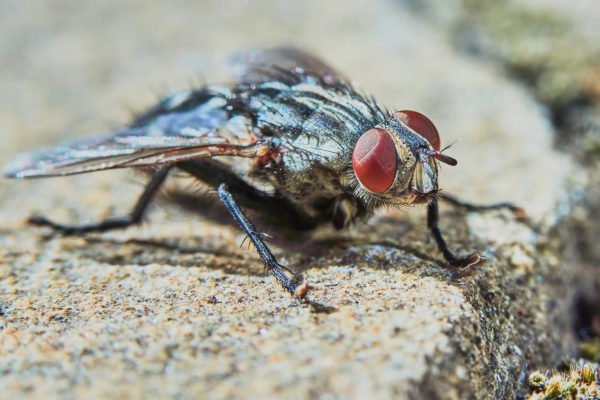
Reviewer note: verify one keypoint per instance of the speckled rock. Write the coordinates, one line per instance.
(176, 309)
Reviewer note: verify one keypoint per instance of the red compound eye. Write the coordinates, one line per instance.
(374, 160)
(422, 125)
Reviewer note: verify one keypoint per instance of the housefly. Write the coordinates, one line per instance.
(292, 139)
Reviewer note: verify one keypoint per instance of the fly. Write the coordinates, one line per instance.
(292, 139)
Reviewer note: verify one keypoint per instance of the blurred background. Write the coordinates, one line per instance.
(517, 83)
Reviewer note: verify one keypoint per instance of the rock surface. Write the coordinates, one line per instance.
(175, 309)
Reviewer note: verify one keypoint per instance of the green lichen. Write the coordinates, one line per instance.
(580, 383)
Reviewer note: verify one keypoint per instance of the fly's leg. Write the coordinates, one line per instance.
(286, 278)
(278, 211)
(517, 211)
(432, 224)
(133, 218)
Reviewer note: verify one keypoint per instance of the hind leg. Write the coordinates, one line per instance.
(134, 217)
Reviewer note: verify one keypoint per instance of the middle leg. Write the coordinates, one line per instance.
(286, 278)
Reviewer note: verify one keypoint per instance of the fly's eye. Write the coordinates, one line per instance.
(374, 160)
(422, 125)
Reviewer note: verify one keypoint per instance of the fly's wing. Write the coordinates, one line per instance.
(287, 65)
(284, 93)
(185, 125)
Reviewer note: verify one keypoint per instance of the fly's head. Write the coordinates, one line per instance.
(396, 163)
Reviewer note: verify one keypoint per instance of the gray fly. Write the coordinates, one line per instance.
(293, 139)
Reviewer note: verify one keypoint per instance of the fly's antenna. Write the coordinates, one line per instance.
(444, 158)
(453, 143)
(448, 146)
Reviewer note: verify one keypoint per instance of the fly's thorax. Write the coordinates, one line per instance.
(415, 178)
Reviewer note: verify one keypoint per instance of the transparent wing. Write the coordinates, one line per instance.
(287, 65)
(179, 134)
(284, 92)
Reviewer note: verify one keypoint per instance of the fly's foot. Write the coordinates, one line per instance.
(302, 290)
(294, 284)
(39, 221)
(468, 261)
(519, 212)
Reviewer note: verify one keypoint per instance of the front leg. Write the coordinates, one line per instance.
(432, 224)
(286, 278)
